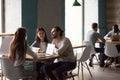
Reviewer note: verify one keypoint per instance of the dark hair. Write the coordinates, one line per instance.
(115, 28)
(94, 25)
(58, 29)
(18, 44)
(37, 38)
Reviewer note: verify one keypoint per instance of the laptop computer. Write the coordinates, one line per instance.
(116, 38)
(35, 49)
(49, 50)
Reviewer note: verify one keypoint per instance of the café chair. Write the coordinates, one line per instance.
(110, 51)
(92, 49)
(82, 61)
(4, 49)
(70, 74)
(9, 70)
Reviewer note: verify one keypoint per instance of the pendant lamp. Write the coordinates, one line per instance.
(76, 3)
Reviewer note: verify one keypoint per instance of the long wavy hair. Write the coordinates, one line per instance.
(37, 38)
(18, 45)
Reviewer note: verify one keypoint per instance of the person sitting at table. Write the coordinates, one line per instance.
(41, 42)
(115, 31)
(66, 62)
(18, 50)
(94, 36)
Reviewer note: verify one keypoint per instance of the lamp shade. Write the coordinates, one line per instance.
(76, 3)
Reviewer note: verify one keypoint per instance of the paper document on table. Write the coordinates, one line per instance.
(50, 49)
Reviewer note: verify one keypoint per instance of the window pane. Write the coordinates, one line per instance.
(12, 15)
(0, 19)
(91, 14)
(73, 22)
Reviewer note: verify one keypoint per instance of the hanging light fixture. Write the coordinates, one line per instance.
(76, 3)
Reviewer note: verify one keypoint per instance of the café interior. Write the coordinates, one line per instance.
(74, 17)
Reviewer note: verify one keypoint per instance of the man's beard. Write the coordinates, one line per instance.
(54, 36)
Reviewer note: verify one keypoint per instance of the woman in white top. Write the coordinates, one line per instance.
(18, 50)
(41, 42)
(115, 31)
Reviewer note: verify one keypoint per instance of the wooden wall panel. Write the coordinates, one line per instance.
(112, 12)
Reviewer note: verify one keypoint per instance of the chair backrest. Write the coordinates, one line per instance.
(111, 50)
(89, 43)
(85, 55)
(5, 45)
(8, 69)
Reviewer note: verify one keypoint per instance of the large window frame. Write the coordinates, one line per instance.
(78, 32)
(11, 16)
(73, 22)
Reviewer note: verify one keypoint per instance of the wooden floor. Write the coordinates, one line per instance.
(99, 74)
(110, 73)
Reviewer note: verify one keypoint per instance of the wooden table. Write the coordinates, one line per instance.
(6, 34)
(54, 56)
(81, 46)
(115, 42)
(45, 58)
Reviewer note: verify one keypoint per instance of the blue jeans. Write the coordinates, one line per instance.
(41, 75)
(102, 56)
(59, 68)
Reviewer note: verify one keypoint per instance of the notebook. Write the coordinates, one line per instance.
(116, 38)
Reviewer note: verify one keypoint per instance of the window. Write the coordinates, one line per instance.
(0, 16)
(13, 13)
(10, 16)
(78, 19)
(1, 6)
(73, 22)
(90, 15)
